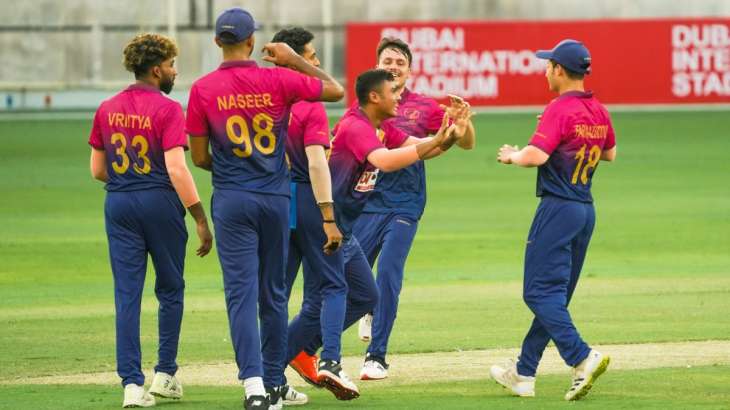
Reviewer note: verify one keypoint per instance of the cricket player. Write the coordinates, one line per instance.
(573, 135)
(390, 218)
(363, 146)
(314, 234)
(138, 150)
(242, 112)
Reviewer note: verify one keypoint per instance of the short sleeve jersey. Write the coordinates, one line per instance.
(308, 125)
(574, 130)
(404, 191)
(134, 129)
(244, 110)
(353, 177)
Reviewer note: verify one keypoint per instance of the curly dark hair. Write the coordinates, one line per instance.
(397, 44)
(146, 51)
(295, 37)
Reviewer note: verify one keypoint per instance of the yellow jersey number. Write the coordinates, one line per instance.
(594, 155)
(239, 133)
(140, 143)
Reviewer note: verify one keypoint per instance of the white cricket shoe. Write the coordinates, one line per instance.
(507, 377)
(292, 397)
(135, 396)
(586, 373)
(166, 386)
(374, 368)
(365, 328)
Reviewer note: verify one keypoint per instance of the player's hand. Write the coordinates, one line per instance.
(279, 53)
(505, 152)
(206, 239)
(456, 103)
(334, 238)
(445, 136)
(461, 120)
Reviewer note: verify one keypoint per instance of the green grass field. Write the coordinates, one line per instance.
(658, 270)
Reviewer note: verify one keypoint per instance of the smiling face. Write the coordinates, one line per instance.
(387, 99)
(395, 61)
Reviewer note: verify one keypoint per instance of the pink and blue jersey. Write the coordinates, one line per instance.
(404, 191)
(135, 128)
(574, 130)
(353, 177)
(244, 110)
(308, 125)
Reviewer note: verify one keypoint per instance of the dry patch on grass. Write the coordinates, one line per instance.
(440, 366)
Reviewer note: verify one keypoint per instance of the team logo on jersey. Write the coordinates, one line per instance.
(367, 180)
(412, 114)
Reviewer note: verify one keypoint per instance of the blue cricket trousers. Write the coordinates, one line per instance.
(390, 236)
(251, 235)
(140, 223)
(362, 293)
(556, 249)
(325, 288)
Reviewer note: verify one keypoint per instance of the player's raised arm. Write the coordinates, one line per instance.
(283, 55)
(395, 159)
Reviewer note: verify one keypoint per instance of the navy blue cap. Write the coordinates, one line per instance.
(570, 54)
(238, 23)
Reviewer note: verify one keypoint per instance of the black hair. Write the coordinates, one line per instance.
(573, 75)
(295, 37)
(396, 43)
(368, 81)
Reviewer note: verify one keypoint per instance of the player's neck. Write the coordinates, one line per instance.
(571, 86)
(371, 112)
(147, 82)
(236, 54)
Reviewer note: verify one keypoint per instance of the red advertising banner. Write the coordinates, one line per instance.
(493, 63)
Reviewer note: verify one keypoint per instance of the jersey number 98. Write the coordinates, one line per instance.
(238, 132)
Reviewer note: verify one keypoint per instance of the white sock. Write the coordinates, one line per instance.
(254, 386)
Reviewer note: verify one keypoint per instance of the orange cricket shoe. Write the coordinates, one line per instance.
(306, 366)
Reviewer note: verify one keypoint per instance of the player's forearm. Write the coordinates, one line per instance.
(468, 140)
(433, 153)
(184, 185)
(528, 157)
(198, 213)
(392, 160)
(319, 174)
(430, 149)
(331, 89)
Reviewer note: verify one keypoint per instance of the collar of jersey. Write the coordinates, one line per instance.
(238, 63)
(143, 87)
(578, 94)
